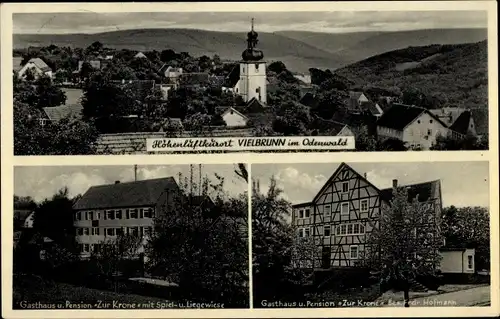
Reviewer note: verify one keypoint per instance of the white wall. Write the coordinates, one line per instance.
(457, 261)
(418, 131)
(37, 71)
(252, 77)
(233, 119)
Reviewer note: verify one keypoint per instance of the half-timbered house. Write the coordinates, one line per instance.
(346, 210)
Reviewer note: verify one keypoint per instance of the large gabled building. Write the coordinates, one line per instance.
(346, 210)
(106, 211)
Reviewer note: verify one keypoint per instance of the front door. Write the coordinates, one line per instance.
(326, 255)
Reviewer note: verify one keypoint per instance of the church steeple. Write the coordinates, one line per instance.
(251, 53)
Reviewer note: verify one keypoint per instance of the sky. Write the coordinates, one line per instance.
(462, 183)
(330, 21)
(42, 182)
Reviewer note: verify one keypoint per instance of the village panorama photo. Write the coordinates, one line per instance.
(371, 235)
(114, 83)
(130, 237)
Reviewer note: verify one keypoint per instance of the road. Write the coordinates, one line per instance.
(479, 296)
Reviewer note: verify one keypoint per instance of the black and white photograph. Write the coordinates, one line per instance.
(411, 234)
(90, 82)
(137, 238)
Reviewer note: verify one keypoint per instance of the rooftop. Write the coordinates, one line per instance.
(129, 194)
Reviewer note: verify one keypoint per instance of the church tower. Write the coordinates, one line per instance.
(253, 80)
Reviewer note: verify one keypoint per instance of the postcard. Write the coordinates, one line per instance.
(249, 159)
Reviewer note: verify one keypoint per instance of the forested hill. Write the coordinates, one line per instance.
(452, 75)
(299, 50)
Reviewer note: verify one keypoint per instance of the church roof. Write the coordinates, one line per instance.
(233, 77)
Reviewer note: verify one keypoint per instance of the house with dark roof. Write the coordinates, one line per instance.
(37, 66)
(415, 126)
(56, 113)
(347, 208)
(355, 99)
(463, 125)
(106, 211)
(171, 73)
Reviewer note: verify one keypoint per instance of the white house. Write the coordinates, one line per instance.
(37, 66)
(171, 73)
(233, 118)
(457, 261)
(355, 99)
(415, 126)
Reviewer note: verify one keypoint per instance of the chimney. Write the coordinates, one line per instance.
(394, 183)
(117, 182)
(364, 175)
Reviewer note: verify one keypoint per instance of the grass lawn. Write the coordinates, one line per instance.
(33, 289)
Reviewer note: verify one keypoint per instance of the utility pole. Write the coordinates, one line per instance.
(135, 173)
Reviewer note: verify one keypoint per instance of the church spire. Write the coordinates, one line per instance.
(251, 53)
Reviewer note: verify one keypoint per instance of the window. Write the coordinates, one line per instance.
(110, 231)
(430, 121)
(356, 229)
(307, 232)
(148, 213)
(429, 132)
(80, 231)
(326, 231)
(343, 229)
(364, 205)
(150, 230)
(327, 210)
(133, 213)
(118, 214)
(91, 215)
(349, 229)
(418, 121)
(97, 248)
(301, 213)
(141, 231)
(307, 213)
(353, 252)
(86, 231)
(119, 231)
(345, 187)
(344, 208)
(110, 214)
(78, 216)
(98, 215)
(95, 231)
(256, 67)
(86, 248)
(470, 262)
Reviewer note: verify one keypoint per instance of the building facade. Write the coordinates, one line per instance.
(416, 127)
(346, 210)
(104, 212)
(38, 68)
